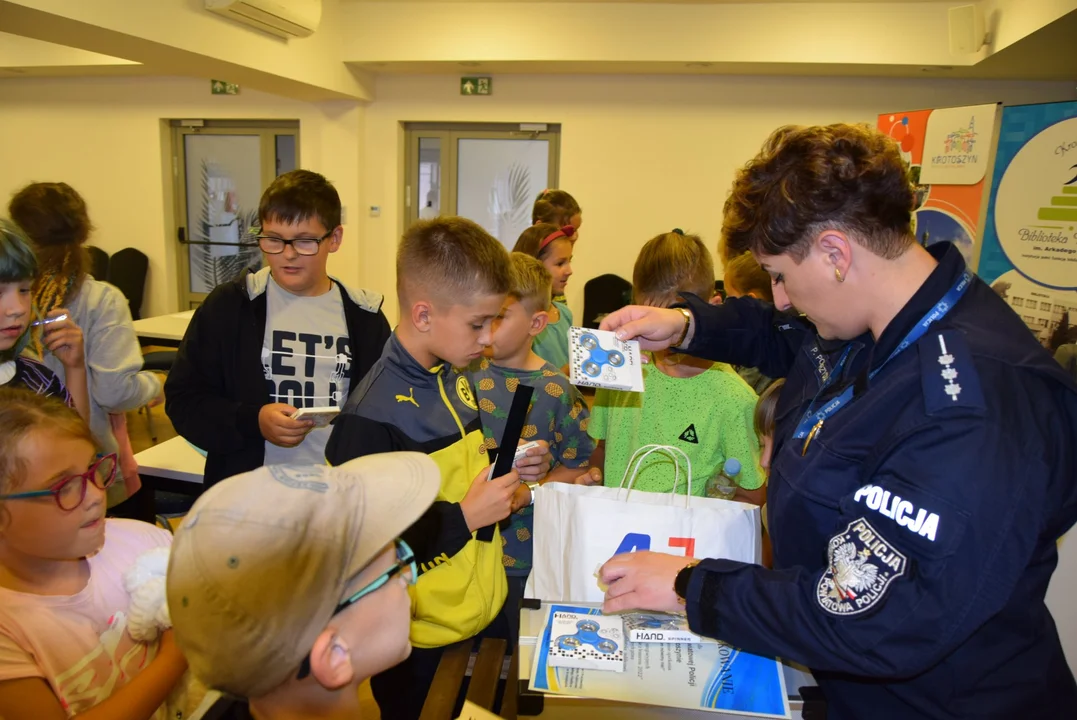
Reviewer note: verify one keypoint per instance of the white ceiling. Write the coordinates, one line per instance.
(680, 2)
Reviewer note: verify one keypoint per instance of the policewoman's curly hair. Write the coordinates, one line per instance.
(805, 180)
(55, 219)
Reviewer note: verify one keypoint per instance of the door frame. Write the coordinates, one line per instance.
(267, 131)
(449, 134)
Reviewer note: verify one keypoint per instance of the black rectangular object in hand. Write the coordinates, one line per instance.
(510, 439)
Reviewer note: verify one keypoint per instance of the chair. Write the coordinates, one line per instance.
(484, 686)
(127, 270)
(602, 295)
(98, 263)
(158, 361)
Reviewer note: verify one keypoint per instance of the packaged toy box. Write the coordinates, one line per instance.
(591, 642)
(598, 359)
(661, 628)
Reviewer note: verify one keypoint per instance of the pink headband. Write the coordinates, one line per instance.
(566, 232)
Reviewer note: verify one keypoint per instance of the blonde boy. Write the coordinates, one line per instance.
(452, 278)
(558, 413)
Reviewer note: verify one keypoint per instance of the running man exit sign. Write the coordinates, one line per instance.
(476, 86)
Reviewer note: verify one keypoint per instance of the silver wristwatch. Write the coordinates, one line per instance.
(532, 486)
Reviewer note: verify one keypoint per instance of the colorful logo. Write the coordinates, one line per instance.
(463, 391)
(962, 140)
(958, 146)
(1035, 208)
(1063, 207)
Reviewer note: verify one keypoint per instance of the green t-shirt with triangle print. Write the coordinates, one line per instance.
(709, 417)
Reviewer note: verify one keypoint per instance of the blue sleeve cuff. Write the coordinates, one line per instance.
(702, 602)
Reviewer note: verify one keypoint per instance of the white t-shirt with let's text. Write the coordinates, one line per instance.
(306, 358)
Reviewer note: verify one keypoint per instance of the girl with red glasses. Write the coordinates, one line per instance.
(64, 646)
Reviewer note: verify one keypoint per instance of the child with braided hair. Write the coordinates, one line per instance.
(55, 219)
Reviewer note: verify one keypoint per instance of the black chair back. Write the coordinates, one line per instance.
(127, 270)
(602, 295)
(98, 263)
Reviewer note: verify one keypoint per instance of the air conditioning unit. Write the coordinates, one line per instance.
(283, 18)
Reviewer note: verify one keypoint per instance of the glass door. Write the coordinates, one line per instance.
(497, 181)
(489, 174)
(221, 173)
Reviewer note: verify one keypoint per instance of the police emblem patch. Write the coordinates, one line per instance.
(862, 566)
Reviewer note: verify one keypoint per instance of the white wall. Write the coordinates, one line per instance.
(103, 136)
(642, 154)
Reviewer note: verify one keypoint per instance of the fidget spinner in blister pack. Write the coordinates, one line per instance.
(587, 634)
(597, 357)
(654, 622)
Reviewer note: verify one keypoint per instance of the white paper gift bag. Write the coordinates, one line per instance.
(578, 528)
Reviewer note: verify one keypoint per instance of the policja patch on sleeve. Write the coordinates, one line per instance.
(861, 567)
(947, 374)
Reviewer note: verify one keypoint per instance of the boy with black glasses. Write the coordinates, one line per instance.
(283, 338)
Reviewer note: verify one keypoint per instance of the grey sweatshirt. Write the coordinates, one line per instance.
(113, 362)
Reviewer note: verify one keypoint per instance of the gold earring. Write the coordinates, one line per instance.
(837, 274)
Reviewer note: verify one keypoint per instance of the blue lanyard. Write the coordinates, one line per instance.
(813, 421)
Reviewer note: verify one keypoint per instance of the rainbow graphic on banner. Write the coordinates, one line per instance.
(1063, 207)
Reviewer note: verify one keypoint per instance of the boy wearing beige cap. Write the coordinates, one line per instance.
(287, 585)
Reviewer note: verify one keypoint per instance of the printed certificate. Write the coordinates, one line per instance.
(714, 677)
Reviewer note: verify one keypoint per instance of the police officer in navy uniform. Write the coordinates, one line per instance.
(925, 456)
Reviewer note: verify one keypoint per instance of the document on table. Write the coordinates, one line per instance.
(715, 677)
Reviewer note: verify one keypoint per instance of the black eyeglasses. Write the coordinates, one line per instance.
(271, 245)
(405, 560)
(70, 491)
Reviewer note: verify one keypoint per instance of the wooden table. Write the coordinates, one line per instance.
(164, 330)
(173, 466)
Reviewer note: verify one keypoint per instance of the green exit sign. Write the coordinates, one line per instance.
(220, 87)
(476, 86)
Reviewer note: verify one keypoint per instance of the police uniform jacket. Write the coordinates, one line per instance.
(915, 535)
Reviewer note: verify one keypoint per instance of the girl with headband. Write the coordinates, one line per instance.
(553, 247)
(557, 208)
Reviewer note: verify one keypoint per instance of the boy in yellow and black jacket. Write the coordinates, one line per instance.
(452, 278)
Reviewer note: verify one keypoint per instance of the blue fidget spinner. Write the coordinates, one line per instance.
(587, 634)
(597, 357)
(655, 623)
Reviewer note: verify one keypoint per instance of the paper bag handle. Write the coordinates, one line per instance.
(636, 461)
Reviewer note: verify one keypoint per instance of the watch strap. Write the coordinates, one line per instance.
(687, 324)
(680, 583)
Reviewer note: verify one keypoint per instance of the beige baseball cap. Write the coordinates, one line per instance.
(262, 560)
